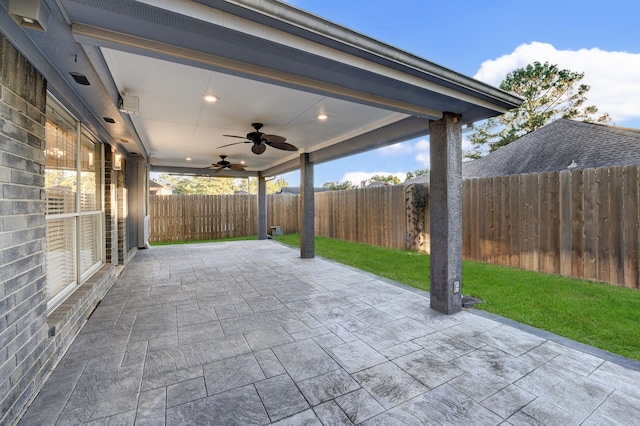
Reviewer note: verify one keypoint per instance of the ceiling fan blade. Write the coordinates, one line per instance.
(211, 166)
(236, 167)
(216, 171)
(281, 145)
(273, 138)
(235, 143)
(234, 136)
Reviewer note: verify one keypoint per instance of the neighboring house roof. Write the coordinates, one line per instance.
(295, 190)
(156, 188)
(423, 178)
(558, 145)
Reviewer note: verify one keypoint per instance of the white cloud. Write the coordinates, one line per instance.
(402, 148)
(422, 153)
(613, 76)
(422, 145)
(424, 158)
(357, 177)
(420, 148)
(466, 144)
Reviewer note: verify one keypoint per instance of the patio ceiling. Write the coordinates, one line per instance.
(266, 61)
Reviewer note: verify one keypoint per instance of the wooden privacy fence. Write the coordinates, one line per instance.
(581, 223)
(176, 218)
(373, 216)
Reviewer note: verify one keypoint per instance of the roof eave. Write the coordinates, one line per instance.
(364, 46)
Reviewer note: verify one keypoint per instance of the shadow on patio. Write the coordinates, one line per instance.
(248, 333)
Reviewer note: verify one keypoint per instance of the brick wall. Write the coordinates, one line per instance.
(23, 327)
(110, 207)
(31, 342)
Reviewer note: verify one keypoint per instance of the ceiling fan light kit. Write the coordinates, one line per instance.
(258, 148)
(261, 140)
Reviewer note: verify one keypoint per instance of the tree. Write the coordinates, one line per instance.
(388, 179)
(549, 93)
(337, 186)
(273, 185)
(207, 185)
(416, 173)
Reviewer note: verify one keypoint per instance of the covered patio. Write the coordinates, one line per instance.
(250, 333)
(97, 94)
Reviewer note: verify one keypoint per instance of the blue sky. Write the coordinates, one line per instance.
(486, 39)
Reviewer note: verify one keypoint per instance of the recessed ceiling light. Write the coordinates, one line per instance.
(188, 158)
(243, 162)
(211, 98)
(322, 117)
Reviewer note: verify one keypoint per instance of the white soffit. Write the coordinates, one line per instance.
(174, 121)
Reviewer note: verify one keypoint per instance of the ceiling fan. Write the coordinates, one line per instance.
(261, 140)
(224, 164)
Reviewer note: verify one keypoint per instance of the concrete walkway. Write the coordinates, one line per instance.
(248, 333)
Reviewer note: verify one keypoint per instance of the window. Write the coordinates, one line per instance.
(73, 184)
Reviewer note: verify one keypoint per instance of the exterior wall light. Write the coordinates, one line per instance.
(32, 14)
(117, 162)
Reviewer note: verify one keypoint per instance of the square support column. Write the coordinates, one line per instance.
(446, 213)
(262, 207)
(307, 219)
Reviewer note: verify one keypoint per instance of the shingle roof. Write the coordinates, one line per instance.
(423, 178)
(295, 190)
(556, 145)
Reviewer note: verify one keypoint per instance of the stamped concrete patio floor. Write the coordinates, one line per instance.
(248, 333)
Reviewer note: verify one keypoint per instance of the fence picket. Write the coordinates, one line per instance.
(590, 224)
(631, 219)
(577, 222)
(615, 237)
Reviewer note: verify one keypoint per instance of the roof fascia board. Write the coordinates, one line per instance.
(363, 52)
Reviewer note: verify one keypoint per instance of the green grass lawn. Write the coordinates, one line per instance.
(597, 314)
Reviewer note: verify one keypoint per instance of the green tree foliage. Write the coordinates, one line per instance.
(549, 93)
(273, 185)
(416, 173)
(207, 185)
(338, 186)
(388, 179)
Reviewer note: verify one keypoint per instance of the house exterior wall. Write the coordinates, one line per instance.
(32, 340)
(23, 326)
(110, 209)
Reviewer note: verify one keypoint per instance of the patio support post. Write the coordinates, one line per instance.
(307, 243)
(446, 213)
(262, 207)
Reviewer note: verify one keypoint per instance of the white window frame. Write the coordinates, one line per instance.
(78, 215)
